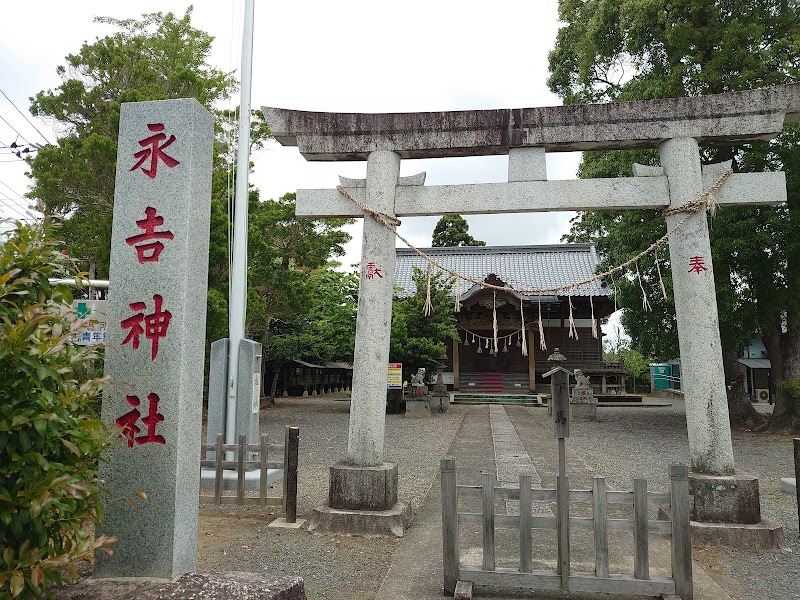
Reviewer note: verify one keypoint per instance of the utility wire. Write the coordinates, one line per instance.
(25, 117)
(15, 131)
(10, 190)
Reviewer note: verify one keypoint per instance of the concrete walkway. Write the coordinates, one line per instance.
(521, 437)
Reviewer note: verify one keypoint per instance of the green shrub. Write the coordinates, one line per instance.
(51, 436)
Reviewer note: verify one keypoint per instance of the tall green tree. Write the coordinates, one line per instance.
(614, 51)
(158, 57)
(453, 230)
(417, 339)
(299, 306)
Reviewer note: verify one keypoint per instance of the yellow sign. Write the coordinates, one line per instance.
(395, 376)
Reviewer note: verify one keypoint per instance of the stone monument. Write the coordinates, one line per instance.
(156, 336)
(418, 403)
(583, 404)
(674, 126)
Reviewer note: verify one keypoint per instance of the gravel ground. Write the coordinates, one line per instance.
(333, 567)
(642, 442)
(624, 443)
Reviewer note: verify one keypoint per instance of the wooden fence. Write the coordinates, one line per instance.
(287, 453)
(640, 583)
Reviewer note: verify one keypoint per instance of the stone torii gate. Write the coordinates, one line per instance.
(364, 482)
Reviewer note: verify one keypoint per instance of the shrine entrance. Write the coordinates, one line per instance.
(681, 186)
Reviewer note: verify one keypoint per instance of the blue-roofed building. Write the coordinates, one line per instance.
(473, 364)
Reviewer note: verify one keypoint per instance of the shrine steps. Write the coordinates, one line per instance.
(493, 382)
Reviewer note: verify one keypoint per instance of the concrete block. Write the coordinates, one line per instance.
(527, 164)
(248, 400)
(583, 411)
(217, 392)
(463, 591)
(753, 536)
(724, 499)
(418, 408)
(363, 488)
(392, 522)
(156, 336)
(789, 485)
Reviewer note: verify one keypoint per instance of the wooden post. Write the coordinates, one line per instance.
(456, 365)
(641, 547)
(488, 521)
(562, 520)
(450, 557)
(218, 470)
(531, 363)
(240, 470)
(797, 474)
(262, 475)
(290, 460)
(681, 531)
(525, 524)
(599, 503)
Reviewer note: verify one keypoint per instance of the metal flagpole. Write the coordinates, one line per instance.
(237, 309)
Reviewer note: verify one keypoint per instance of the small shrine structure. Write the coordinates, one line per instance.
(521, 360)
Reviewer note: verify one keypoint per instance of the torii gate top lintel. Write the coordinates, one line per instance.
(722, 119)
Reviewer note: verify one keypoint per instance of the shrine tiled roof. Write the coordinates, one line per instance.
(524, 267)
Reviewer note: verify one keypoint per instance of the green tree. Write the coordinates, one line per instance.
(158, 57)
(51, 436)
(636, 364)
(417, 340)
(614, 51)
(453, 230)
(155, 58)
(299, 306)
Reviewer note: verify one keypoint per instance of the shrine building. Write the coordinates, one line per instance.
(472, 364)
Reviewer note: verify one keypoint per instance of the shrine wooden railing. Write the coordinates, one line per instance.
(260, 453)
(601, 580)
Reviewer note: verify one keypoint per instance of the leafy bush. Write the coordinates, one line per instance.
(51, 436)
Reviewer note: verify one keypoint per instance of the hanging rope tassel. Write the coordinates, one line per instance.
(457, 307)
(614, 292)
(645, 303)
(524, 341)
(428, 304)
(573, 333)
(660, 279)
(542, 343)
(494, 319)
(594, 321)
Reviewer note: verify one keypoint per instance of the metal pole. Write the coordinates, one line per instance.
(237, 309)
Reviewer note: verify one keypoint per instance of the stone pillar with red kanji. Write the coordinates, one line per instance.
(156, 337)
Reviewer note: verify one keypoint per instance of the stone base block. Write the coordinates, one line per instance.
(216, 584)
(583, 411)
(363, 488)
(440, 402)
(392, 522)
(724, 499)
(418, 408)
(763, 535)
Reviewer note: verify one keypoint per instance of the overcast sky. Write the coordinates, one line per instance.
(345, 56)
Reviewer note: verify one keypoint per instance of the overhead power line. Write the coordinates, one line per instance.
(15, 131)
(46, 141)
(10, 190)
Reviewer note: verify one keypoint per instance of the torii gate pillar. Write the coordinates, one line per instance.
(362, 497)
